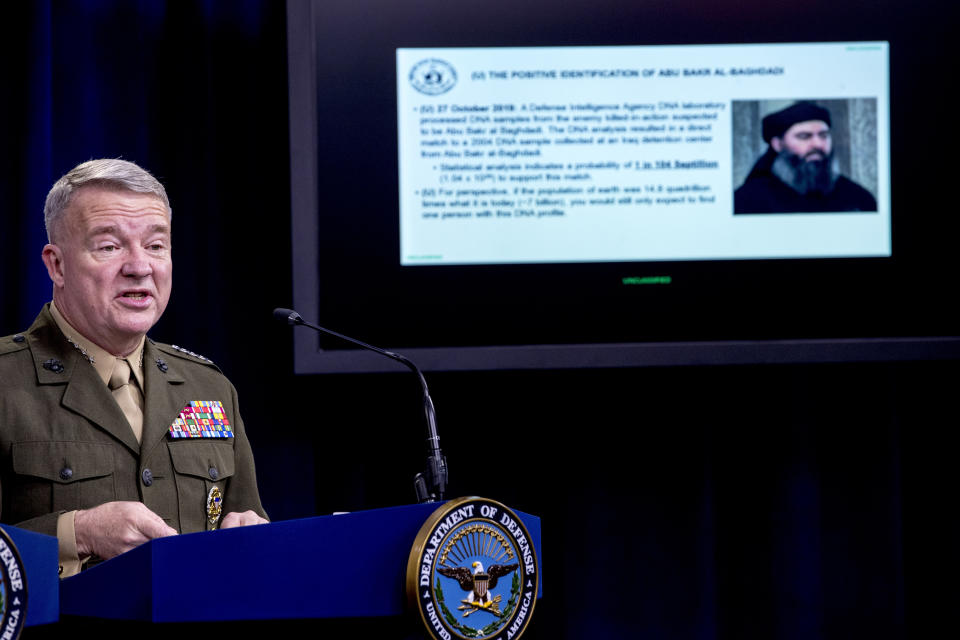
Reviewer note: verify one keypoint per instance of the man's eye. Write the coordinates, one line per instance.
(108, 248)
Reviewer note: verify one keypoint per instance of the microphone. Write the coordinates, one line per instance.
(287, 315)
(431, 484)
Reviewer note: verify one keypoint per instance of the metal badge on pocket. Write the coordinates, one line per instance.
(214, 501)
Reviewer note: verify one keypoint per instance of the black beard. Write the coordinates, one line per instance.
(814, 176)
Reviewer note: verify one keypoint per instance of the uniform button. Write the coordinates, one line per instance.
(214, 474)
(147, 476)
(66, 473)
(18, 338)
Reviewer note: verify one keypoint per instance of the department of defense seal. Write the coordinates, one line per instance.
(433, 76)
(473, 572)
(13, 589)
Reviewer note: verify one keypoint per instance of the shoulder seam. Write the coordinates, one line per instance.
(7, 345)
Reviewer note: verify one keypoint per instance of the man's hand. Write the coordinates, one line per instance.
(234, 519)
(115, 527)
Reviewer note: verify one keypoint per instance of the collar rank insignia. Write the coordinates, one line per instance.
(473, 572)
(214, 501)
(201, 419)
(13, 589)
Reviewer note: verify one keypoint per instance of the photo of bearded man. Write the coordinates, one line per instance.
(800, 169)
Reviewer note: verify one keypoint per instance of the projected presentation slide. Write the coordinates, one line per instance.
(599, 154)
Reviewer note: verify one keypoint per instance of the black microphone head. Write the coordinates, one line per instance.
(289, 316)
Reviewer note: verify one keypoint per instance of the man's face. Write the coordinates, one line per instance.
(809, 140)
(111, 265)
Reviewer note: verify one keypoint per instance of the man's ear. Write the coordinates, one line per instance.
(53, 259)
(777, 144)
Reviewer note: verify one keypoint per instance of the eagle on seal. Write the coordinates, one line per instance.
(478, 582)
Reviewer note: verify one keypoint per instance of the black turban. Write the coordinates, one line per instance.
(776, 124)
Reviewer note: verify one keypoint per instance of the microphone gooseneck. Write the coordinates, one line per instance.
(432, 483)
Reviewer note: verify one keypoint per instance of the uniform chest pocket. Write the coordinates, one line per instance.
(208, 460)
(61, 476)
(200, 467)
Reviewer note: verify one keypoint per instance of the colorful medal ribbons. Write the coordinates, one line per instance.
(201, 419)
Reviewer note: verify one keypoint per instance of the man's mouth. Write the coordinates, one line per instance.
(135, 296)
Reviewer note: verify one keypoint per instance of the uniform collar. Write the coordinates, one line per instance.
(102, 360)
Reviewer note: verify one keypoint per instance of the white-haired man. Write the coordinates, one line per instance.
(108, 439)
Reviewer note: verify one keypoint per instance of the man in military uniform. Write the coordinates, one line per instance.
(108, 439)
(798, 174)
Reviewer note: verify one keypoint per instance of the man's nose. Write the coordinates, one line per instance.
(136, 265)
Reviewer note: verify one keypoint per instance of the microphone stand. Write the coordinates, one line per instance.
(431, 484)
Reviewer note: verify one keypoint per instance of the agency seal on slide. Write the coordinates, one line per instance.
(433, 76)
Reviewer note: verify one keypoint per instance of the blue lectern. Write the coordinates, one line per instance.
(38, 553)
(342, 566)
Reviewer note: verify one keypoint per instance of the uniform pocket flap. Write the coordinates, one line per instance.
(62, 462)
(210, 460)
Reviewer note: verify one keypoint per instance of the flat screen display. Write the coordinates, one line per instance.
(587, 184)
(631, 154)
